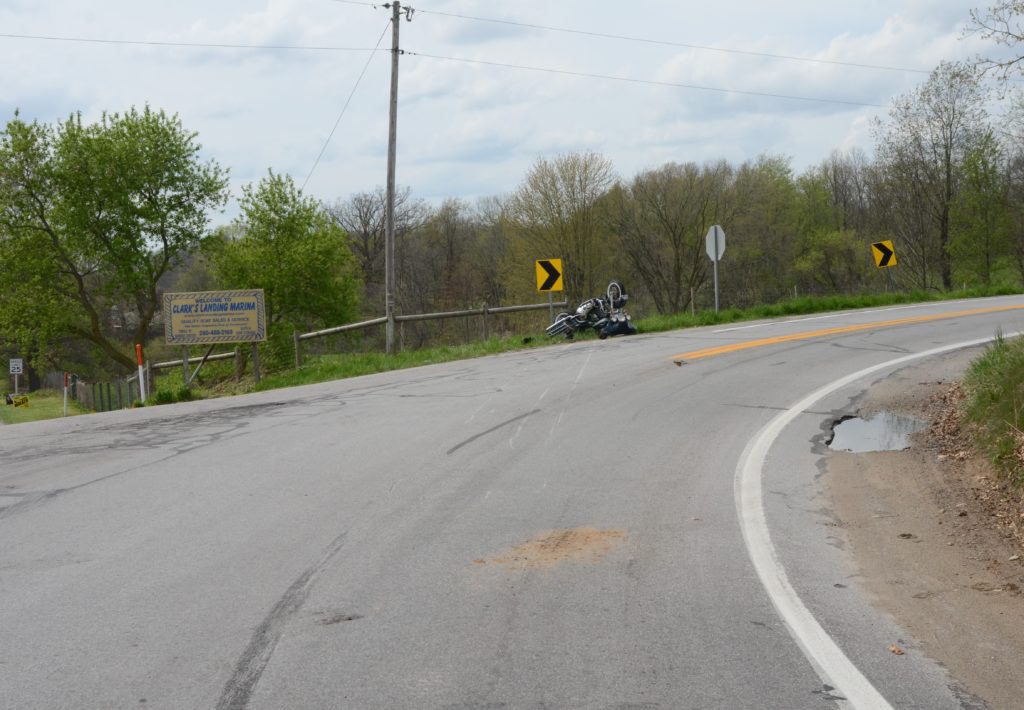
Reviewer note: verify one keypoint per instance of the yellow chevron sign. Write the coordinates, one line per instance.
(884, 253)
(549, 275)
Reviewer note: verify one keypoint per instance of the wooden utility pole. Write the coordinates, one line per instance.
(389, 212)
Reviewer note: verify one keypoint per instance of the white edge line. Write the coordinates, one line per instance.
(828, 660)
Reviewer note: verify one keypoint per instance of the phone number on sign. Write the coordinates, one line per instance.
(215, 332)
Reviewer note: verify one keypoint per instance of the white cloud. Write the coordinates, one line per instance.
(473, 129)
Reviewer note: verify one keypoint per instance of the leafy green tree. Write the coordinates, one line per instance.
(290, 247)
(981, 215)
(763, 219)
(91, 217)
(660, 219)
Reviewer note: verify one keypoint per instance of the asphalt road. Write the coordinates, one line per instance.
(630, 523)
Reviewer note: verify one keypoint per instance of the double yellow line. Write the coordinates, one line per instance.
(746, 345)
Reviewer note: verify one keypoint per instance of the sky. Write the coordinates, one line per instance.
(485, 89)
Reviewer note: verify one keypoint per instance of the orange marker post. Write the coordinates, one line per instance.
(142, 373)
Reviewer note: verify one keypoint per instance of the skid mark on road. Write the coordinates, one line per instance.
(565, 402)
(240, 686)
(492, 429)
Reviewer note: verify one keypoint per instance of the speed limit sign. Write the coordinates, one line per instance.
(16, 366)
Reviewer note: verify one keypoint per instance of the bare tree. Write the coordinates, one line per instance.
(554, 214)
(923, 149)
(1003, 23)
(362, 218)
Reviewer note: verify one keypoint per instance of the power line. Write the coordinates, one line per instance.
(345, 107)
(664, 43)
(208, 45)
(649, 82)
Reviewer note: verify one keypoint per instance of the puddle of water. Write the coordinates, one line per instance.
(884, 431)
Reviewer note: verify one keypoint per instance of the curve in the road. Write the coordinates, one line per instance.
(832, 665)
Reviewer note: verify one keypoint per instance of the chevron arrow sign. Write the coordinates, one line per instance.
(549, 275)
(884, 254)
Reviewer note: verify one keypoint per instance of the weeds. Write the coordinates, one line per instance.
(995, 387)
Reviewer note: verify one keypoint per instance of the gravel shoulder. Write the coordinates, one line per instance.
(936, 537)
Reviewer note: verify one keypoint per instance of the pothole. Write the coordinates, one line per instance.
(883, 431)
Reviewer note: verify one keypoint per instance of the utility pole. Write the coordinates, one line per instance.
(389, 213)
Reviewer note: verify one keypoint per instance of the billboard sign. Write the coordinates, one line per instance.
(208, 317)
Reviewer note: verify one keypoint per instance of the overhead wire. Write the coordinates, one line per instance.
(344, 108)
(646, 40)
(203, 45)
(650, 82)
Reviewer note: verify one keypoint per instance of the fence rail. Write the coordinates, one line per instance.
(482, 311)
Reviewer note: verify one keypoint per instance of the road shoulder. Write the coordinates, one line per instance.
(935, 537)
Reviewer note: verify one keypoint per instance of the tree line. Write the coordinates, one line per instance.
(98, 220)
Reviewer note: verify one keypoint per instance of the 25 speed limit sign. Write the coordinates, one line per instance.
(16, 366)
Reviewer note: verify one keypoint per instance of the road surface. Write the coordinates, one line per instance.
(630, 523)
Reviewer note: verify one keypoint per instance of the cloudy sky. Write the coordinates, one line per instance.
(485, 87)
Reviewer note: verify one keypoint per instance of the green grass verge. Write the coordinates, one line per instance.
(42, 404)
(995, 404)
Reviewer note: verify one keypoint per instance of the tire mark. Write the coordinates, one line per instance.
(240, 686)
(492, 429)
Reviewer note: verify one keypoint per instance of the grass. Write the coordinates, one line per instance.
(42, 404)
(995, 404)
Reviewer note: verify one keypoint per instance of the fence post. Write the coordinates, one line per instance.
(483, 321)
(238, 364)
(256, 362)
(120, 402)
(298, 349)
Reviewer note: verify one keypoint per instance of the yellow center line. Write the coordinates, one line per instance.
(746, 345)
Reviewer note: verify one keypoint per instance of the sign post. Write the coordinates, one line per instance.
(17, 367)
(885, 258)
(65, 394)
(714, 242)
(549, 278)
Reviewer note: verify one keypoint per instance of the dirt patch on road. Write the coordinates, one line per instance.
(556, 546)
(937, 535)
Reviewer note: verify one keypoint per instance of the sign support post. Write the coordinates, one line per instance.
(66, 394)
(17, 366)
(714, 243)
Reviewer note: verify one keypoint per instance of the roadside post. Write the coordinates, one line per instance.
(714, 242)
(66, 393)
(142, 372)
(17, 367)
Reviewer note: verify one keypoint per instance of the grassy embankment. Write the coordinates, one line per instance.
(995, 405)
(42, 404)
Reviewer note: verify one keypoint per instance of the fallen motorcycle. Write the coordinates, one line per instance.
(607, 315)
